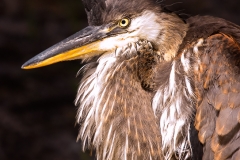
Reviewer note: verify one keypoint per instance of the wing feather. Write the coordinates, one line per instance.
(227, 120)
(218, 106)
(204, 124)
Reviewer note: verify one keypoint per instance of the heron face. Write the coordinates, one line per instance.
(95, 40)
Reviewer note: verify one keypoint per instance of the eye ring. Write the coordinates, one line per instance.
(124, 22)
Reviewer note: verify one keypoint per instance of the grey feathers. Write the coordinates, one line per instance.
(104, 11)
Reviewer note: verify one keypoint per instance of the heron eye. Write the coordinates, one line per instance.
(124, 22)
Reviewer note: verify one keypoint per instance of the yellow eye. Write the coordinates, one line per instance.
(124, 22)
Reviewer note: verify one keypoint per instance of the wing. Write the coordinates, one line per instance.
(217, 82)
(209, 64)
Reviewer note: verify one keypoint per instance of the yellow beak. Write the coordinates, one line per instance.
(83, 44)
(78, 53)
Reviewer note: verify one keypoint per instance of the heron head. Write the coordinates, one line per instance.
(113, 24)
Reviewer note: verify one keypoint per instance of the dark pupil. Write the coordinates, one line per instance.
(123, 21)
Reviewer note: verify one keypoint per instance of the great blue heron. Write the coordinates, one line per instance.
(154, 76)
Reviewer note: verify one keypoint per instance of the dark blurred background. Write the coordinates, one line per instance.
(37, 113)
